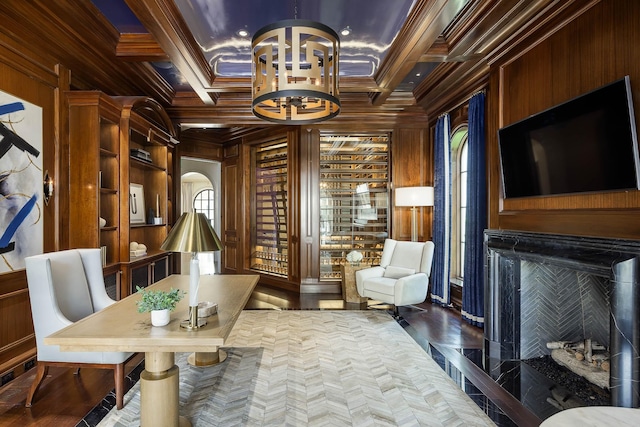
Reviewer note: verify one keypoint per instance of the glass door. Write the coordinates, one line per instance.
(354, 200)
(269, 186)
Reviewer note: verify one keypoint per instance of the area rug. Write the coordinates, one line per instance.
(317, 368)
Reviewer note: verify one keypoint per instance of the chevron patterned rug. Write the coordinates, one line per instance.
(317, 368)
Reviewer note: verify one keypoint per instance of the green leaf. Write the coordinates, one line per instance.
(158, 299)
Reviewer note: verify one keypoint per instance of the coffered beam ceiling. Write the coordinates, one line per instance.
(164, 21)
(424, 24)
(427, 21)
(463, 39)
(440, 31)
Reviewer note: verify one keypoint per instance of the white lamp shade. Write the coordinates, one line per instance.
(414, 196)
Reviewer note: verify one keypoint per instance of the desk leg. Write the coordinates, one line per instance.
(159, 392)
(207, 359)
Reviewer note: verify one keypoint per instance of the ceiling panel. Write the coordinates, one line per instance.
(215, 25)
(119, 14)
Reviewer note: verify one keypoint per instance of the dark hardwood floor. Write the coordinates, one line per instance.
(64, 398)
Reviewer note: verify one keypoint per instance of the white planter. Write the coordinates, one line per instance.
(160, 317)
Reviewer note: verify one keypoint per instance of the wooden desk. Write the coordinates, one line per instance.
(120, 327)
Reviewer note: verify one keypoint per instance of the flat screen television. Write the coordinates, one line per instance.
(587, 144)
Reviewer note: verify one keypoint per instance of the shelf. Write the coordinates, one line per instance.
(147, 225)
(145, 165)
(107, 153)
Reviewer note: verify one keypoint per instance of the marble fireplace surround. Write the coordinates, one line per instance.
(616, 259)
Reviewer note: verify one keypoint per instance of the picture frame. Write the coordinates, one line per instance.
(136, 204)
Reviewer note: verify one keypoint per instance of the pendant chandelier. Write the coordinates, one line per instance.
(295, 72)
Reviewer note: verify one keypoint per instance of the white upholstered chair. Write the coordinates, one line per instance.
(65, 287)
(402, 278)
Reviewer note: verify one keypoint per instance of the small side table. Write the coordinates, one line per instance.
(349, 291)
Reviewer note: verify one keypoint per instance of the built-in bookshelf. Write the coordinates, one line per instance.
(103, 131)
(354, 199)
(94, 175)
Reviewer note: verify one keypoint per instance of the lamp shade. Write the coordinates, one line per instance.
(192, 233)
(414, 196)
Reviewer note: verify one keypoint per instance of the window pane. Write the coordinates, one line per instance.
(203, 202)
(463, 224)
(463, 189)
(462, 246)
(458, 200)
(353, 199)
(463, 157)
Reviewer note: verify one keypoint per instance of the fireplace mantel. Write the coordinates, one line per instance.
(615, 259)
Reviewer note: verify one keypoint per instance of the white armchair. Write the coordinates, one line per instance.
(402, 277)
(65, 287)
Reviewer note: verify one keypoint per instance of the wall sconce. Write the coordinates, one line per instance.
(414, 197)
(47, 189)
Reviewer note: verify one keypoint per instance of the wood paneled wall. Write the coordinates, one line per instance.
(231, 223)
(411, 165)
(559, 63)
(39, 80)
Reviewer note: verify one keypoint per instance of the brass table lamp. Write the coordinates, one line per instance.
(192, 233)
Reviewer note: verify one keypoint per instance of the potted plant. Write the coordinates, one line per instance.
(159, 303)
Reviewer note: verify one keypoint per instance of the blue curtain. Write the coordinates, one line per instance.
(473, 290)
(441, 213)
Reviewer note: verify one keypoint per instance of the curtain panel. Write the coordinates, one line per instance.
(442, 213)
(476, 218)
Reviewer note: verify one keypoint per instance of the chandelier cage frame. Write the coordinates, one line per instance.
(308, 90)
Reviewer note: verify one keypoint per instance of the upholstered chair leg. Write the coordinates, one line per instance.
(41, 371)
(118, 375)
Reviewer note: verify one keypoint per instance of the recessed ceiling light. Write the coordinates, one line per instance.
(417, 74)
(243, 32)
(346, 31)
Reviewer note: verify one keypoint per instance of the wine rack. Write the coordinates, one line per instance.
(354, 175)
(269, 249)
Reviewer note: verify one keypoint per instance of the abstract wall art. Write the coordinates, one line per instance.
(21, 204)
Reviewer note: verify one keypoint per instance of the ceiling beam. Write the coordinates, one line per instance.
(233, 109)
(164, 21)
(425, 23)
(139, 48)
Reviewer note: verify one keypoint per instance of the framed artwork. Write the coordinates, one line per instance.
(21, 179)
(136, 204)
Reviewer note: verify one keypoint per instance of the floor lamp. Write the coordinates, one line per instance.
(414, 197)
(192, 233)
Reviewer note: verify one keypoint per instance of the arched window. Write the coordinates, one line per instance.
(204, 202)
(458, 201)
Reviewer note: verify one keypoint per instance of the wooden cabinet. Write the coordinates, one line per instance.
(145, 271)
(111, 147)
